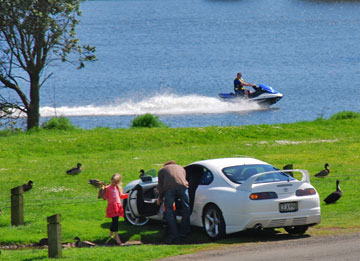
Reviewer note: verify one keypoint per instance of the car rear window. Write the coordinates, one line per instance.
(240, 173)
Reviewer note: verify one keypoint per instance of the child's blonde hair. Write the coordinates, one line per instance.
(116, 179)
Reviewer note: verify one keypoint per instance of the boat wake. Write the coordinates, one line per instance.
(157, 105)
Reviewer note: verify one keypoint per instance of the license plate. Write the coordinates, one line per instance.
(288, 207)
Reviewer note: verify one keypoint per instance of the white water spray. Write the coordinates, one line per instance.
(158, 105)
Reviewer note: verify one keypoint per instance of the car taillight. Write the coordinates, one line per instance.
(263, 195)
(305, 192)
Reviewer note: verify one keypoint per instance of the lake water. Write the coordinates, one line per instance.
(171, 58)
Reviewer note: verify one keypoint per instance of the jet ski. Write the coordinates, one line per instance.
(263, 95)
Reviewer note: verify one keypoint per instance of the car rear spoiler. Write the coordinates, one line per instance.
(247, 185)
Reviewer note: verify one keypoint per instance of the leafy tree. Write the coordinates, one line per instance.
(33, 35)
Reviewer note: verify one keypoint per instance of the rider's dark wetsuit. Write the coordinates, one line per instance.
(239, 87)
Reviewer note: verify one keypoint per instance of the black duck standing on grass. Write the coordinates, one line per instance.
(324, 172)
(27, 186)
(335, 196)
(142, 173)
(74, 171)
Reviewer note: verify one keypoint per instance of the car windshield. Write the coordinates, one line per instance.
(239, 174)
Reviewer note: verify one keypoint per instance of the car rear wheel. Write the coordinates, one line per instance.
(131, 218)
(297, 230)
(213, 222)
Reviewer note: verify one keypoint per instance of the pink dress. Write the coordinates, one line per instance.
(114, 207)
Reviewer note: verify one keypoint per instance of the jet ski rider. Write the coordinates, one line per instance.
(239, 84)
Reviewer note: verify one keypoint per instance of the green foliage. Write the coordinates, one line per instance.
(344, 115)
(9, 131)
(147, 121)
(33, 35)
(58, 123)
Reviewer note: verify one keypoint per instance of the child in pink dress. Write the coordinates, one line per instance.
(114, 208)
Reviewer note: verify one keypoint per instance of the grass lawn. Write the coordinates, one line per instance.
(44, 157)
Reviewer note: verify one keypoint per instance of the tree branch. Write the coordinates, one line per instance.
(9, 85)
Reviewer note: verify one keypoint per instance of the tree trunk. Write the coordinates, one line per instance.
(33, 112)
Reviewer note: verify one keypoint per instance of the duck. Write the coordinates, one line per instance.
(43, 242)
(289, 166)
(27, 186)
(80, 243)
(324, 172)
(74, 171)
(335, 196)
(142, 173)
(97, 183)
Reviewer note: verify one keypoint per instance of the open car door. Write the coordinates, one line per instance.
(142, 200)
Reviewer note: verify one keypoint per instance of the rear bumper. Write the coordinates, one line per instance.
(303, 217)
(285, 222)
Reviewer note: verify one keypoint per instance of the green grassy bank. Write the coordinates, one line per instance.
(44, 157)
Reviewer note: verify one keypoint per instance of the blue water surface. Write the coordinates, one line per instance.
(171, 58)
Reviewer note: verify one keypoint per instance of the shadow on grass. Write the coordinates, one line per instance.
(254, 235)
(154, 233)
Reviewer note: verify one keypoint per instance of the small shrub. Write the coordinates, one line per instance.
(58, 123)
(343, 115)
(147, 121)
(8, 132)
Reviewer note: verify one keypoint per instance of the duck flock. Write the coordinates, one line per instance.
(334, 196)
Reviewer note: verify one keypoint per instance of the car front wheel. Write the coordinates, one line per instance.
(213, 222)
(297, 230)
(131, 218)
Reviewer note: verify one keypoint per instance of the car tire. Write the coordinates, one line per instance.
(297, 230)
(213, 222)
(131, 219)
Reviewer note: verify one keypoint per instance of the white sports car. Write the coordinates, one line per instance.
(229, 195)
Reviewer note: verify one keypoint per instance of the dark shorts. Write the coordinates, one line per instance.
(240, 92)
